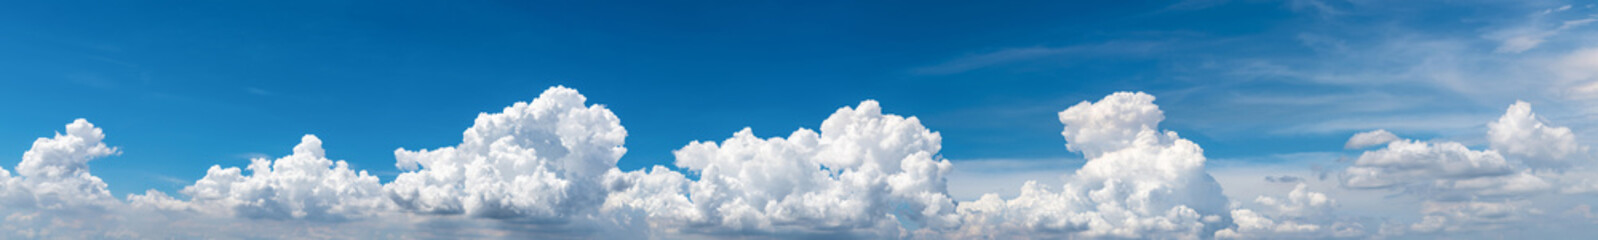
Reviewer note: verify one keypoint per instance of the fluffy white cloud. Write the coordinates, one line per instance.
(1371, 138)
(1112, 124)
(547, 168)
(1138, 182)
(53, 194)
(305, 184)
(1253, 225)
(54, 174)
(1520, 134)
(861, 175)
(542, 160)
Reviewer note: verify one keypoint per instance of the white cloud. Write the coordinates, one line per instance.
(861, 175)
(1112, 124)
(1299, 202)
(547, 168)
(1475, 190)
(1446, 171)
(1521, 134)
(1138, 182)
(1371, 138)
(542, 160)
(1300, 214)
(54, 174)
(1449, 171)
(1253, 225)
(305, 185)
(54, 195)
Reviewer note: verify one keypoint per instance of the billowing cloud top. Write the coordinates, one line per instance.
(863, 174)
(1138, 182)
(1520, 134)
(542, 159)
(305, 184)
(548, 168)
(54, 174)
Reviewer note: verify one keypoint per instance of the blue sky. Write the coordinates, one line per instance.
(209, 82)
(182, 85)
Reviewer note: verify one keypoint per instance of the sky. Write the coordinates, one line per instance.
(927, 120)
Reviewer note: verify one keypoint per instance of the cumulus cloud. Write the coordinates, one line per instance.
(1138, 182)
(305, 184)
(1471, 190)
(542, 160)
(1114, 123)
(861, 175)
(54, 174)
(1522, 145)
(547, 168)
(1519, 133)
(1371, 138)
(53, 194)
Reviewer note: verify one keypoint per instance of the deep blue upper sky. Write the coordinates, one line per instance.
(211, 82)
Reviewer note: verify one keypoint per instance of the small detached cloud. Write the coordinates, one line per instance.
(1371, 138)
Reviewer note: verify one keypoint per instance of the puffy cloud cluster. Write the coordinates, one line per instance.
(1138, 182)
(1465, 189)
(1520, 134)
(542, 160)
(1300, 214)
(53, 194)
(305, 184)
(862, 174)
(547, 168)
(54, 174)
(534, 162)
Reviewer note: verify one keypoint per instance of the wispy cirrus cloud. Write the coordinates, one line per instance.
(1027, 54)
